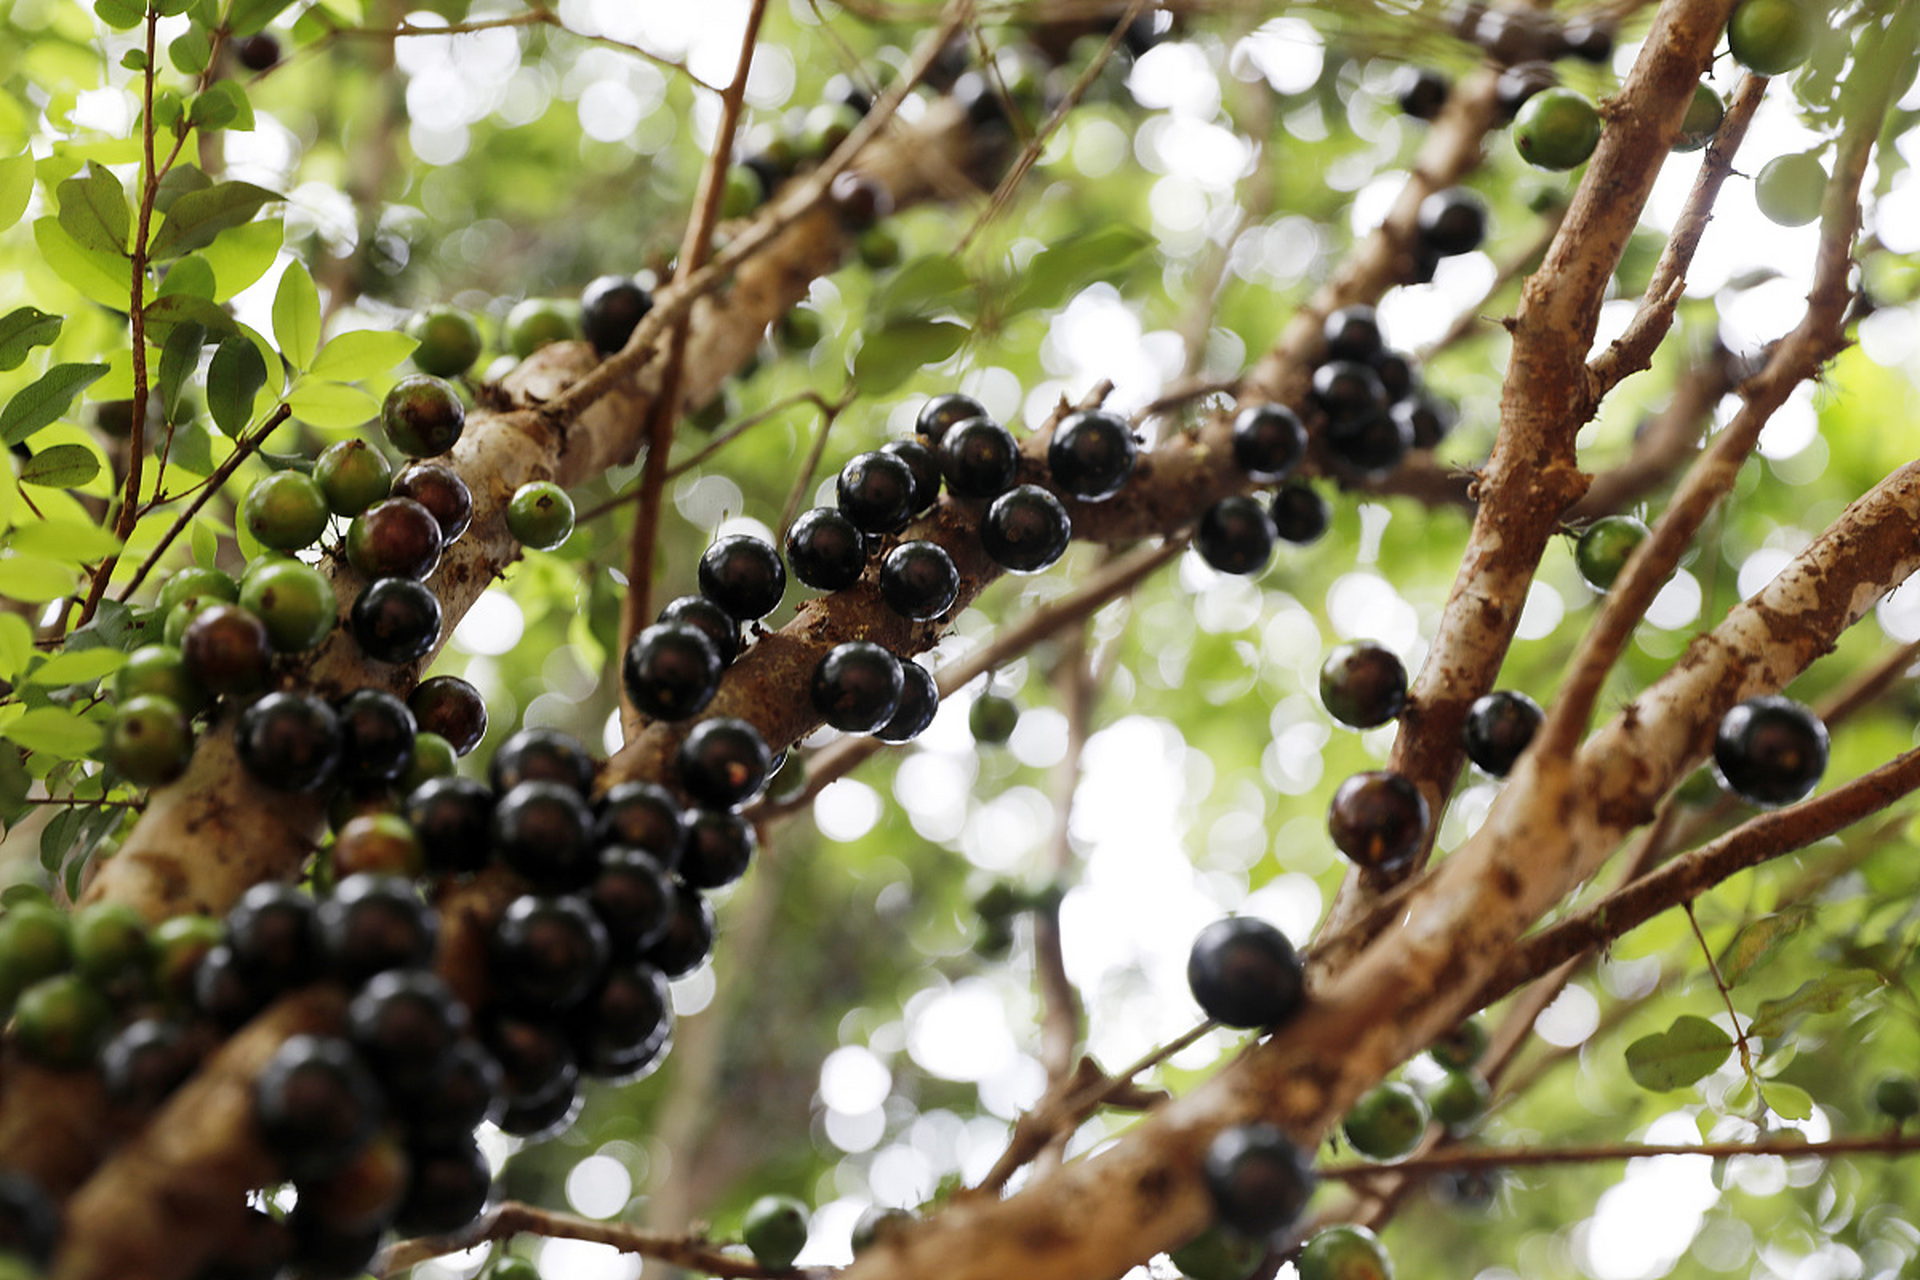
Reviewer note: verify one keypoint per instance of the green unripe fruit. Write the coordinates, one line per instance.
(1345, 1252)
(150, 741)
(354, 475)
(295, 600)
(1771, 36)
(177, 947)
(423, 416)
(158, 669)
(1702, 120)
(827, 126)
(534, 322)
(1604, 548)
(540, 515)
(1788, 189)
(1458, 1099)
(801, 329)
(379, 843)
(110, 942)
(775, 1230)
(36, 941)
(1218, 1254)
(62, 1021)
(1897, 1097)
(285, 511)
(878, 248)
(1461, 1047)
(1556, 129)
(195, 583)
(449, 341)
(433, 757)
(514, 1269)
(742, 194)
(1387, 1122)
(992, 719)
(183, 614)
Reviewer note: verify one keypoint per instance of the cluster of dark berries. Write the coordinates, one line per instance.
(1378, 819)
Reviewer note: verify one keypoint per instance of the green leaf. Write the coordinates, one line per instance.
(249, 16)
(16, 187)
(1826, 994)
(23, 329)
(105, 278)
(42, 403)
(116, 626)
(1758, 940)
(234, 378)
(198, 216)
(1690, 1050)
(190, 51)
(83, 667)
(64, 466)
(34, 579)
(189, 277)
(205, 544)
(243, 254)
(93, 209)
(223, 105)
(176, 182)
(1067, 266)
(120, 14)
(165, 314)
(66, 540)
(296, 316)
(134, 59)
(178, 359)
(925, 285)
(16, 646)
(363, 353)
(889, 357)
(331, 405)
(1789, 1102)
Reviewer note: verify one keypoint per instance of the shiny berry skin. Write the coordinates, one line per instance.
(1461, 1047)
(1091, 455)
(1348, 391)
(1300, 515)
(1396, 372)
(449, 340)
(223, 993)
(536, 1061)
(1344, 1251)
(1604, 548)
(439, 489)
(541, 755)
(293, 600)
(919, 700)
(452, 708)
(943, 412)
(1458, 1098)
(1268, 442)
(274, 938)
(1557, 129)
(1453, 221)
(289, 741)
(826, 549)
(1371, 445)
(453, 817)
(1770, 751)
(1588, 37)
(376, 736)
(689, 936)
(1218, 1254)
(723, 762)
(145, 1061)
(1387, 1122)
(992, 719)
(285, 511)
(924, 464)
(774, 1231)
(36, 941)
(385, 843)
(322, 1250)
(395, 538)
(540, 515)
(611, 308)
(61, 1022)
(856, 686)
(227, 649)
(536, 1122)
(1363, 685)
(373, 923)
(1702, 120)
(1378, 819)
(978, 458)
(621, 1030)
(1422, 420)
(633, 896)
(708, 618)
(720, 847)
(396, 620)
(1258, 1179)
(1768, 37)
(641, 815)
(876, 492)
(447, 1191)
(1025, 529)
(544, 831)
(1421, 92)
(1897, 1097)
(1244, 973)
(1236, 535)
(196, 583)
(258, 52)
(402, 1021)
(1788, 189)
(860, 200)
(316, 1105)
(547, 952)
(110, 946)
(362, 1195)
(743, 575)
(671, 671)
(463, 1090)
(159, 670)
(1520, 82)
(1499, 726)
(150, 741)
(423, 416)
(1353, 333)
(918, 580)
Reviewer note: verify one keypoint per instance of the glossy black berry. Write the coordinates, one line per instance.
(1243, 972)
(1353, 333)
(826, 549)
(1091, 455)
(273, 936)
(1025, 529)
(423, 416)
(708, 618)
(689, 936)
(1770, 750)
(1258, 1178)
(1453, 221)
(1300, 514)
(553, 1115)
(452, 708)
(439, 489)
(373, 923)
(1348, 391)
(1363, 685)
(447, 1191)
(453, 820)
(1371, 446)
(723, 762)
(876, 492)
(856, 686)
(223, 992)
(611, 307)
(671, 671)
(316, 1105)
(633, 897)
(395, 538)
(257, 52)
(919, 580)
(860, 200)
(1520, 82)
(1588, 37)
(978, 458)
(1235, 535)
(641, 815)
(622, 1028)
(1421, 91)
(1499, 726)
(1396, 372)
(536, 1061)
(743, 575)
(29, 1219)
(919, 700)
(323, 1250)
(376, 737)
(464, 1089)
(547, 952)
(396, 620)
(402, 1021)
(720, 847)
(1423, 420)
(1378, 820)
(925, 465)
(259, 1249)
(145, 1061)
(942, 412)
(1268, 442)
(544, 831)
(541, 755)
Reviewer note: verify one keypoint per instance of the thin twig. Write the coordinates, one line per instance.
(1521, 1157)
(690, 1251)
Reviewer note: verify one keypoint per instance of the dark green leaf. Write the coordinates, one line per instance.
(113, 627)
(120, 14)
(193, 449)
(223, 105)
(166, 313)
(64, 466)
(168, 107)
(178, 358)
(15, 784)
(93, 209)
(926, 285)
(42, 403)
(889, 357)
(234, 378)
(1067, 266)
(301, 462)
(191, 277)
(1690, 1050)
(134, 59)
(23, 329)
(190, 51)
(1826, 994)
(1757, 940)
(249, 16)
(176, 182)
(198, 216)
